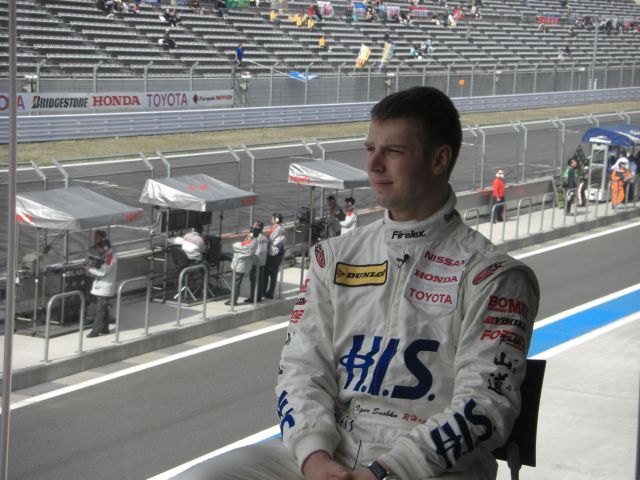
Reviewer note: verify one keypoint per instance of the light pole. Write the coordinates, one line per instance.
(95, 76)
(593, 56)
(38, 68)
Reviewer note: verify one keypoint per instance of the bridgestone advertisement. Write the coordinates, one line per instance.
(117, 101)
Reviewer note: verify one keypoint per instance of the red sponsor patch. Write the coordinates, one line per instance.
(507, 337)
(320, 255)
(429, 297)
(245, 202)
(296, 315)
(508, 305)
(24, 218)
(131, 216)
(487, 272)
(305, 286)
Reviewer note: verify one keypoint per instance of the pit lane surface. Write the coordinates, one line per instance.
(143, 424)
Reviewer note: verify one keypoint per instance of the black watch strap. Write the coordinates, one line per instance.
(378, 470)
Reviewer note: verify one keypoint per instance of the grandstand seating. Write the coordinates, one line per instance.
(74, 38)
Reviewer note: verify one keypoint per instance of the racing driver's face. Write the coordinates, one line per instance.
(410, 184)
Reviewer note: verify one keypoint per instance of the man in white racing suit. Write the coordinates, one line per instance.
(406, 349)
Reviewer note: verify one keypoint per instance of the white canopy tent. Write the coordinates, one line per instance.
(325, 174)
(74, 208)
(199, 192)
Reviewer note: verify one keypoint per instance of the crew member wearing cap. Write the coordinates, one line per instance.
(497, 197)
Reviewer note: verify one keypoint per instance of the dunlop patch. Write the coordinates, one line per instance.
(360, 275)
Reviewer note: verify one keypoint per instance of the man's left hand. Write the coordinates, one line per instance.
(362, 474)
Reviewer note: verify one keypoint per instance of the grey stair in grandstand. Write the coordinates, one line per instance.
(65, 32)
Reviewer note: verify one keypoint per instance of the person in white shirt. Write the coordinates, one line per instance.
(262, 246)
(192, 244)
(351, 220)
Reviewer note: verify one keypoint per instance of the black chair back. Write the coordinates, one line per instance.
(524, 433)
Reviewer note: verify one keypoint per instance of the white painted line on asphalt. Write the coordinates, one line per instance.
(251, 439)
(563, 347)
(229, 341)
(145, 366)
(585, 306)
(576, 240)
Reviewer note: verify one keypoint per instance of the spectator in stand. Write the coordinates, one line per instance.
(167, 41)
(104, 6)
(567, 51)
(386, 38)
(435, 20)
(298, 19)
(195, 6)
(171, 17)
(382, 14)
(322, 42)
(451, 22)
(311, 12)
(318, 12)
(497, 197)
(348, 13)
(239, 54)
(221, 7)
(428, 47)
(310, 23)
(273, 17)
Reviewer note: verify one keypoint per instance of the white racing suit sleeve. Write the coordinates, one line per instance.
(307, 383)
(489, 367)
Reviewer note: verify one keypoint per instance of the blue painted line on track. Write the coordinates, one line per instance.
(573, 326)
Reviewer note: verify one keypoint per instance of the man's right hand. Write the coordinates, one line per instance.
(320, 466)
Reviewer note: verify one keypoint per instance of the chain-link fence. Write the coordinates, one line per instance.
(524, 150)
(277, 89)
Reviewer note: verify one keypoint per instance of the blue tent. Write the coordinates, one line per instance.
(616, 135)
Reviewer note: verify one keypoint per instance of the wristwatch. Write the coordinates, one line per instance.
(382, 473)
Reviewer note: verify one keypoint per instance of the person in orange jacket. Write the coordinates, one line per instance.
(619, 176)
(497, 197)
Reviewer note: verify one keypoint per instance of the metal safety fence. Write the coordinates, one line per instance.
(524, 150)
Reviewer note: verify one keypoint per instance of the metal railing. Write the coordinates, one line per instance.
(147, 279)
(47, 328)
(205, 285)
(527, 201)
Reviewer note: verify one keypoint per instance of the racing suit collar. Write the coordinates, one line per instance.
(418, 231)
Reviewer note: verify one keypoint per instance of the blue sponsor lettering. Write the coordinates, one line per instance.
(358, 365)
(448, 440)
(286, 418)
